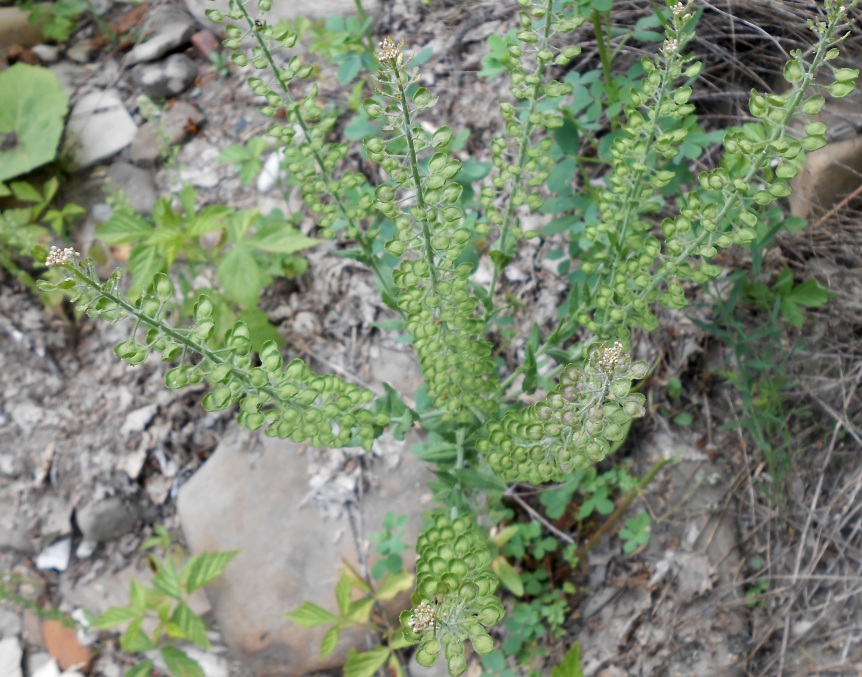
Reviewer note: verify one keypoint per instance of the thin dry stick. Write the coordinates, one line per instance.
(828, 215)
(802, 539)
(562, 535)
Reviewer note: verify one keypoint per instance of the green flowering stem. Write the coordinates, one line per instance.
(180, 336)
(609, 524)
(413, 162)
(734, 192)
(291, 401)
(369, 258)
(503, 244)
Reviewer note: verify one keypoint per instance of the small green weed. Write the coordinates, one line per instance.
(166, 602)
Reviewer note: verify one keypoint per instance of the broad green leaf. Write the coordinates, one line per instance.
(811, 294)
(135, 640)
(280, 238)
(393, 584)
(167, 580)
(25, 191)
(143, 669)
(124, 226)
(203, 569)
(365, 664)
(241, 277)
(144, 263)
(191, 625)
(329, 641)
(310, 615)
(113, 617)
(180, 664)
(33, 108)
(570, 666)
(209, 218)
(359, 612)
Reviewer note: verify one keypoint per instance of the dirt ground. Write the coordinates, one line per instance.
(76, 423)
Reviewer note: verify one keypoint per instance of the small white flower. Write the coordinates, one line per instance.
(678, 9)
(61, 257)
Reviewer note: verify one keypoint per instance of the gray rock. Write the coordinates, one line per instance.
(46, 53)
(37, 661)
(70, 75)
(10, 657)
(172, 127)
(167, 78)
(106, 519)
(81, 52)
(55, 556)
(98, 128)
(251, 502)
(171, 30)
(12, 466)
(10, 623)
(13, 531)
(139, 187)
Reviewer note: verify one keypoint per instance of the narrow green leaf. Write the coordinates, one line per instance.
(365, 664)
(180, 664)
(203, 569)
(508, 576)
(342, 594)
(310, 615)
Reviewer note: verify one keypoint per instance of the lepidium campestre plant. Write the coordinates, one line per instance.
(483, 437)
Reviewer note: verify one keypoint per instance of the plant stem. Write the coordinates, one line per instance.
(611, 522)
(367, 32)
(605, 57)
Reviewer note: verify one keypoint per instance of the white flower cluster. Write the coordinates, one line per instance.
(60, 257)
(611, 356)
(389, 51)
(422, 617)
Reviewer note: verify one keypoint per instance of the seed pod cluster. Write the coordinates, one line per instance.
(430, 236)
(634, 265)
(574, 427)
(521, 163)
(290, 401)
(311, 161)
(454, 598)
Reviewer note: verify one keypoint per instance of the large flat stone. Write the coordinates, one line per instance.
(248, 499)
(98, 128)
